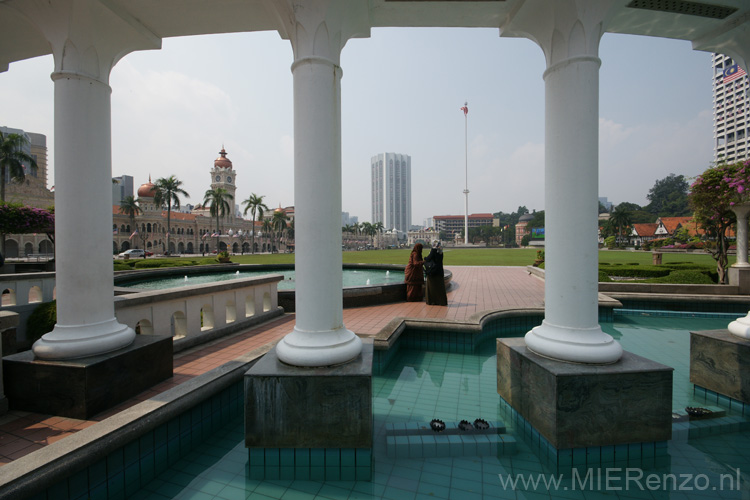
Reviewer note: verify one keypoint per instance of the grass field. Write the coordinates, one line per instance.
(481, 257)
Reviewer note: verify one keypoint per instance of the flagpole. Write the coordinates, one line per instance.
(466, 188)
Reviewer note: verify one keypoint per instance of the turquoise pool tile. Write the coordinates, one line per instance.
(115, 463)
(271, 457)
(272, 472)
(286, 457)
(317, 473)
(98, 492)
(287, 472)
(256, 472)
(256, 456)
(78, 485)
(363, 457)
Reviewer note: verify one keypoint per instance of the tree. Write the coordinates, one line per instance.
(669, 197)
(267, 228)
(712, 196)
(255, 205)
(621, 218)
(278, 222)
(12, 158)
(167, 192)
(218, 201)
(129, 206)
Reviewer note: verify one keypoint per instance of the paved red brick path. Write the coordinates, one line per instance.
(475, 289)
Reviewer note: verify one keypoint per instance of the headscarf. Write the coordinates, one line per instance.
(418, 250)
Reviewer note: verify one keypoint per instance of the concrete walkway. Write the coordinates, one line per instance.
(474, 289)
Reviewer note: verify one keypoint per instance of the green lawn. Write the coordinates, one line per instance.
(481, 257)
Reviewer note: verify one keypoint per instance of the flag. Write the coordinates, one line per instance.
(114, 231)
(732, 73)
(465, 109)
(204, 236)
(134, 233)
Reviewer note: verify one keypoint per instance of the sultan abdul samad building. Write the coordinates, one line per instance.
(190, 232)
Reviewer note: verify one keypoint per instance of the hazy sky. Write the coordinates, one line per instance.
(402, 90)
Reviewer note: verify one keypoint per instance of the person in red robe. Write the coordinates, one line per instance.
(414, 275)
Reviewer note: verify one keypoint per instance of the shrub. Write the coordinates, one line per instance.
(685, 277)
(609, 242)
(603, 277)
(122, 267)
(41, 320)
(635, 271)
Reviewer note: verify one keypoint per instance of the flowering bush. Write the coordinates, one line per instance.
(16, 218)
(712, 195)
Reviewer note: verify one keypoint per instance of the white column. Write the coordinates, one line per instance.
(318, 32)
(569, 31)
(87, 39)
(741, 211)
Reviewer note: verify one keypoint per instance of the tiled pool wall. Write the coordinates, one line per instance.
(711, 397)
(464, 342)
(127, 469)
(311, 464)
(729, 316)
(563, 461)
(686, 306)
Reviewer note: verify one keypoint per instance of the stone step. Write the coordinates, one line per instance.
(449, 445)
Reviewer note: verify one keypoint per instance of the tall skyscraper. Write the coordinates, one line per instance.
(122, 187)
(730, 91)
(391, 190)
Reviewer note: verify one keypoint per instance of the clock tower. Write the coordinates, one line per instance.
(224, 176)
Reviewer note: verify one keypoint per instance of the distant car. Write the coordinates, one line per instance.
(149, 254)
(133, 253)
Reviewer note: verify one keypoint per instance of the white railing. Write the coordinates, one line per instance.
(26, 288)
(197, 310)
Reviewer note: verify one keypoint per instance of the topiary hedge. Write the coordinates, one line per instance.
(630, 271)
(685, 277)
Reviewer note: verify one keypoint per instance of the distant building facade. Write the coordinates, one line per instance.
(454, 224)
(730, 106)
(122, 187)
(391, 190)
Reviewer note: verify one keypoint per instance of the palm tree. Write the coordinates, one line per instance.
(278, 221)
(267, 228)
(256, 206)
(129, 206)
(378, 228)
(12, 158)
(620, 217)
(218, 200)
(167, 192)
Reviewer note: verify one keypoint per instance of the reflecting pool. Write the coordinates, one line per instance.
(352, 278)
(421, 385)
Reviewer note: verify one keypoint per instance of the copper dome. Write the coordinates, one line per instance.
(222, 161)
(146, 190)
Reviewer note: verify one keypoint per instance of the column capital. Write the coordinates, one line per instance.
(732, 38)
(87, 37)
(319, 29)
(564, 29)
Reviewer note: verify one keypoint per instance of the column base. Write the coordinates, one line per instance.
(80, 341)
(720, 362)
(318, 349)
(576, 345)
(740, 327)
(309, 423)
(83, 388)
(739, 276)
(577, 406)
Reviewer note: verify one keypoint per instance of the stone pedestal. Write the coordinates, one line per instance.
(720, 362)
(81, 388)
(309, 423)
(576, 405)
(740, 277)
